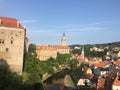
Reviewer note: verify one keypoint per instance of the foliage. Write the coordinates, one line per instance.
(32, 68)
(89, 54)
(62, 58)
(8, 80)
(73, 64)
(76, 51)
(32, 48)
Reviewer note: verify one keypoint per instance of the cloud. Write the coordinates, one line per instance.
(85, 29)
(89, 27)
(28, 21)
(43, 32)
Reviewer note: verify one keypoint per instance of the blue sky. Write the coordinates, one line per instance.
(83, 21)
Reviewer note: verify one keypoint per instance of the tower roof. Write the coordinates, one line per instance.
(10, 22)
(63, 34)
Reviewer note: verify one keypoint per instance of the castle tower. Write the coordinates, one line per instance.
(12, 43)
(63, 40)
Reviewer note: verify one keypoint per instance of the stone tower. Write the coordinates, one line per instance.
(63, 40)
(82, 53)
(12, 43)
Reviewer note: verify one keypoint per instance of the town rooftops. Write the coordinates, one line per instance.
(117, 62)
(103, 64)
(101, 82)
(50, 47)
(117, 81)
(10, 22)
(46, 48)
(61, 47)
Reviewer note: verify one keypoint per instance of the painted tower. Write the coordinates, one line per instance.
(12, 43)
(63, 40)
(82, 53)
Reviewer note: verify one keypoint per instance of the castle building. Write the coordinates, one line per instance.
(12, 43)
(45, 52)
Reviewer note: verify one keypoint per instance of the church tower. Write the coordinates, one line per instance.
(63, 40)
(82, 53)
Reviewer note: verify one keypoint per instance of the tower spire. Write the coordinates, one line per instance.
(63, 40)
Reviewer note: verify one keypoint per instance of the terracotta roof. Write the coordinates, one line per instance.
(116, 82)
(62, 47)
(117, 62)
(52, 47)
(10, 22)
(46, 47)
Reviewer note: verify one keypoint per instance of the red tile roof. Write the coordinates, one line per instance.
(52, 47)
(61, 47)
(46, 48)
(10, 22)
(116, 82)
(117, 62)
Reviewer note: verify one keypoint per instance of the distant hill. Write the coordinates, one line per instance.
(112, 44)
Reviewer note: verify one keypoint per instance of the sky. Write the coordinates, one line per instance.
(82, 21)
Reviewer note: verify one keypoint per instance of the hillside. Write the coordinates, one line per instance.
(111, 45)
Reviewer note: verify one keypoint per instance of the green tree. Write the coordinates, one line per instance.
(9, 80)
(62, 58)
(32, 66)
(73, 64)
(76, 51)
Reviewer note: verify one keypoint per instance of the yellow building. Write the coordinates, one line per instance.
(45, 52)
(12, 43)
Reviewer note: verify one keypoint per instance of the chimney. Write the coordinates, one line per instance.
(0, 22)
(24, 26)
(18, 24)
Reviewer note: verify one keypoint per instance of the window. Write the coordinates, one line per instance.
(11, 33)
(11, 41)
(7, 49)
(2, 32)
(1, 41)
(20, 32)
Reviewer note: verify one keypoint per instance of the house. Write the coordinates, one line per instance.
(116, 83)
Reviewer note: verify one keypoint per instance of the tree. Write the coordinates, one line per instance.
(76, 51)
(73, 64)
(9, 80)
(62, 58)
(32, 66)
